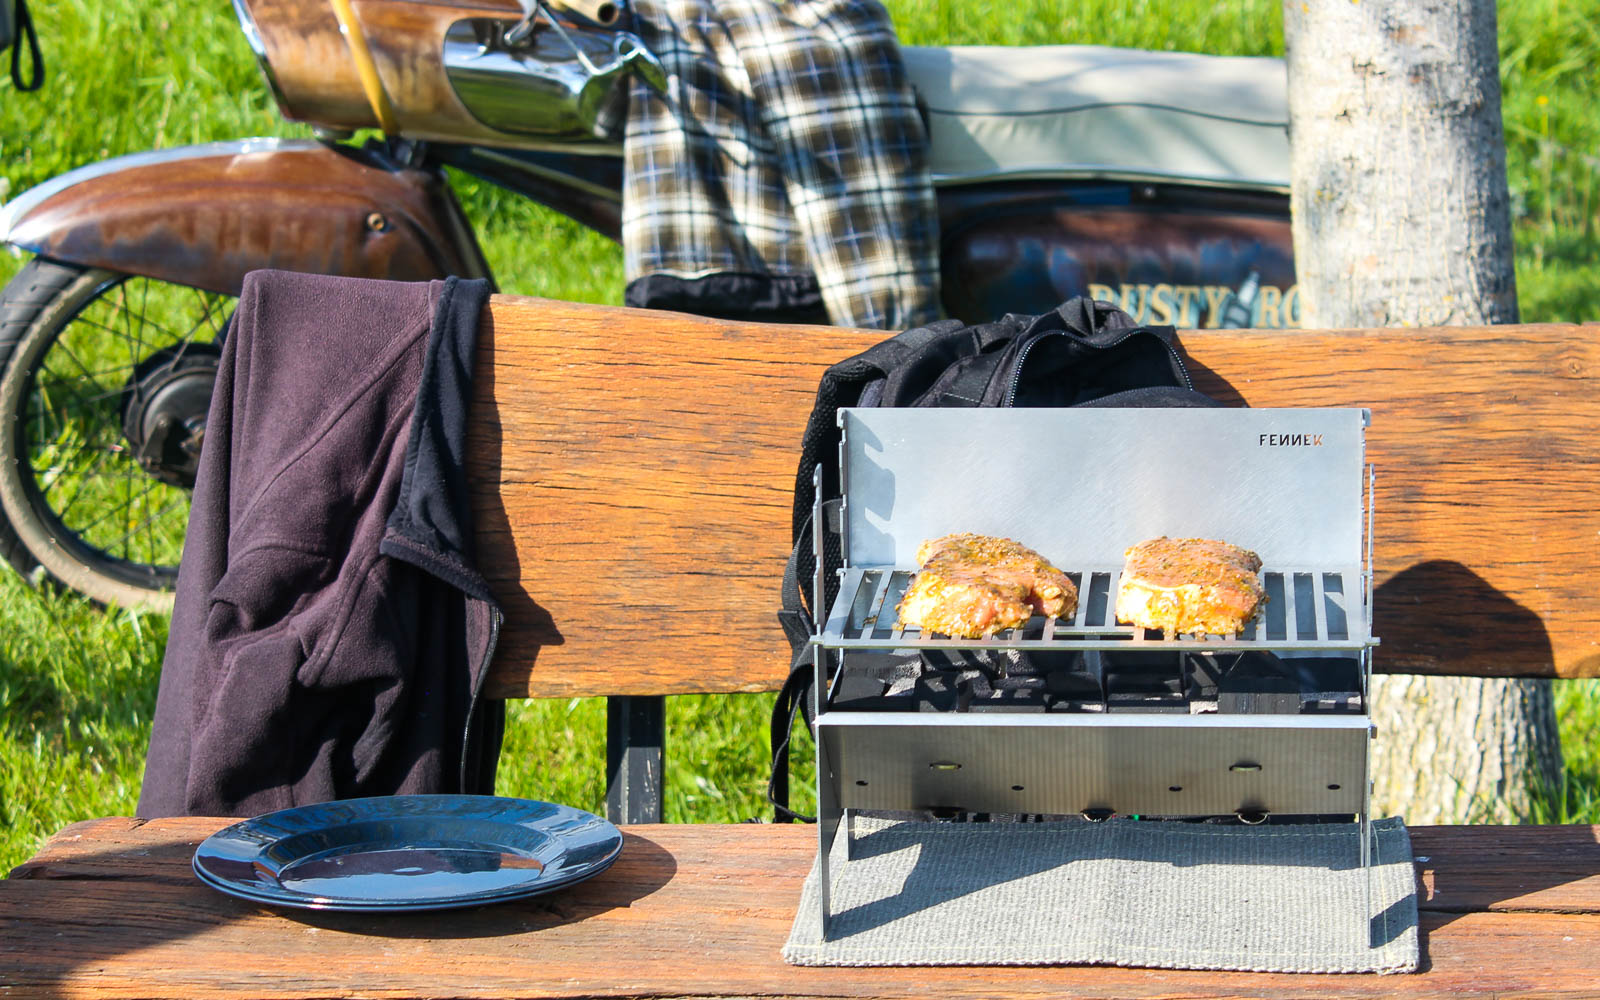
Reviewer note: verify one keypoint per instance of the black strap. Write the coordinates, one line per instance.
(25, 30)
(795, 617)
(792, 698)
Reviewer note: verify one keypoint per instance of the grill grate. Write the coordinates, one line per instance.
(1307, 609)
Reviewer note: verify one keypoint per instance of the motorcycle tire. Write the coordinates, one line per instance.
(105, 379)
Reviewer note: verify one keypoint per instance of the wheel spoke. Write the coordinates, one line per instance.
(98, 397)
(79, 482)
(144, 310)
(83, 481)
(59, 409)
(207, 304)
(152, 519)
(127, 336)
(91, 376)
(74, 385)
(111, 511)
(113, 331)
(73, 357)
(138, 339)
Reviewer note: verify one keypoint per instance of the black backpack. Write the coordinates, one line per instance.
(1083, 353)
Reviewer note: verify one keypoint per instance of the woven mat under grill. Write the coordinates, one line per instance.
(1288, 898)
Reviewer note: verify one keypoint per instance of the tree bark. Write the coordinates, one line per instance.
(1401, 217)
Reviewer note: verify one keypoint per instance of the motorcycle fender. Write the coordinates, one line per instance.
(206, 215)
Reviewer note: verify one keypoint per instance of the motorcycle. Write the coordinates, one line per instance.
(1158, 180)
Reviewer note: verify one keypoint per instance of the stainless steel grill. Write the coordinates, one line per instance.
(1080, 486)
(1307, 609)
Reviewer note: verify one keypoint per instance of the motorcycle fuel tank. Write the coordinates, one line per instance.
(535, 97)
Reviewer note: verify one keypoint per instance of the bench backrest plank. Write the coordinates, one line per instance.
(633, 475)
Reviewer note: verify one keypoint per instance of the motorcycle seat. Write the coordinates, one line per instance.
(1096, 111)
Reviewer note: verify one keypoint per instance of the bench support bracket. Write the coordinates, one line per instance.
(635, 731)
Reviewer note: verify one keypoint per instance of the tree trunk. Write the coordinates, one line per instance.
(1401, 217)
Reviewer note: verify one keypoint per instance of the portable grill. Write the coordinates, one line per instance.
(1090, 717)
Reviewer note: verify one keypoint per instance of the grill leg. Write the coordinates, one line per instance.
(635, 731)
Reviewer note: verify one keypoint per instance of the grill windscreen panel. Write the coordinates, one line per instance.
(1081, 485)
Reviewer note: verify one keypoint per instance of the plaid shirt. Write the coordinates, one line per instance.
(788, 144)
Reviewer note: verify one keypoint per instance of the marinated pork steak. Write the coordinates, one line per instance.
(1190, 585)
(971, 585)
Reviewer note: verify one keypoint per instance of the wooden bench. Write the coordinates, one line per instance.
(632, 483)
(634, 471)
(109, 910)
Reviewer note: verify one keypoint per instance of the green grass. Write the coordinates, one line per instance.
(1548, 53)
(1578, 800)
(77, 689)
(77, 684)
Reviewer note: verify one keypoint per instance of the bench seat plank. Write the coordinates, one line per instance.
(108, 909)
(633, 473)
(1552, 869)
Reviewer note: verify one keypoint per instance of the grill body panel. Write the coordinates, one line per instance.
(1061, 764)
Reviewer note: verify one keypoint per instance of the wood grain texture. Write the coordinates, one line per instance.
(633, 474)
(1488, 481)
(108, 909)
(633, 486)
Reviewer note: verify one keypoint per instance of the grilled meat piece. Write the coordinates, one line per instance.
(972, 585)
(1190, 585)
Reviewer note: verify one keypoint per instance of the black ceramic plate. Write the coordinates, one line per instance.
(407, 852)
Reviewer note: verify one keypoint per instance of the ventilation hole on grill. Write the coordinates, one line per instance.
(1097, 602)
(1333, 601)
(1274, 625)
(1333, 788)
(1016, 788)
(1305, 607)
(863, 606)
(863, 784)
(1174, 788)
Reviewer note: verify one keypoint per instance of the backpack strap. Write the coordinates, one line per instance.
(797, 628)
(25, 32)
(792, 700)
(794, 697)
(894, 370)
(795, 617)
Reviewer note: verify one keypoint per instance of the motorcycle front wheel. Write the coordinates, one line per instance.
(105, 380)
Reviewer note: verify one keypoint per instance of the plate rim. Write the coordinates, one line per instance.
(294, 899)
